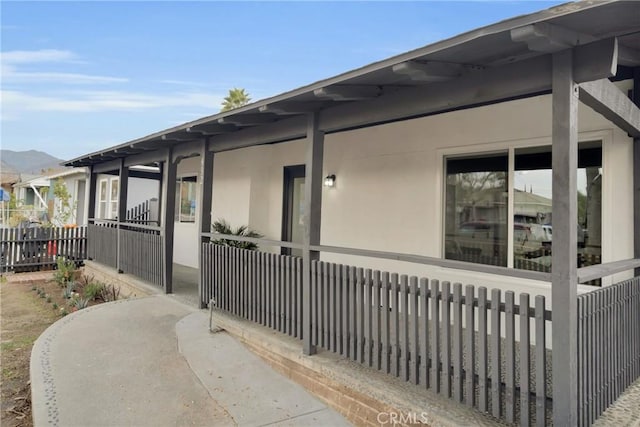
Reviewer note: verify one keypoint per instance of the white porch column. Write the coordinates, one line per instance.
(312, 212)
(205, 188)
(564, 277)
(167, 215)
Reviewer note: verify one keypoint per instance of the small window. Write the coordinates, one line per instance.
(186, 199)
(102, 209)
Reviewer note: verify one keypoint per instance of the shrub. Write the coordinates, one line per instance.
(64, 272)
(55, 306)
(223, 227)
(110, 293)
(93, 290)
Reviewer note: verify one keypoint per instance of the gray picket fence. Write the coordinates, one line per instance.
(33, 249)
(133, 248)
(608, 346)
(438, 336)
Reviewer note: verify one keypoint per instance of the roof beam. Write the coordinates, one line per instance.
(212, 129)
(146, 157)
(605, 98)
(109, 166)
(247, 119)
(429, 71)
(291, 108)
(347, 93)
(549, 38)
(179, 136)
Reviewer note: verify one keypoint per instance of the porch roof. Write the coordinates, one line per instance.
(479, 65)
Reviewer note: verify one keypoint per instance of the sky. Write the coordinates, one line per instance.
(78, 77)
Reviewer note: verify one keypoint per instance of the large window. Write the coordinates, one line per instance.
(477, 206)
(186, 199)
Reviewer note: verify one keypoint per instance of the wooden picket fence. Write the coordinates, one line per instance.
(480, 349)
(37, 248)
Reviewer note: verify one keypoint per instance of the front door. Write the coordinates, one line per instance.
(293, 207)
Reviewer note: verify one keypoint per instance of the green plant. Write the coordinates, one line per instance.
(110, 293)
(64, 209)
(223, 227)
(55, 306)
(93, 290)
(63, 311)
(64, 272)
(69, 290)
(33, 288)
(80, 303)
(42, 294)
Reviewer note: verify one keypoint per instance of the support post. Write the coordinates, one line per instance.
(123, 173)
(636, 175)
(205, 189)
(167, 216)
(564, 277)
(93, 182)
(312, 216)
(91, 204)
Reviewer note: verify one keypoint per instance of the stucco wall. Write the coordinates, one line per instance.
(389, 189)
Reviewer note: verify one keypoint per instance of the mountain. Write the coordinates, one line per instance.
(31, 161)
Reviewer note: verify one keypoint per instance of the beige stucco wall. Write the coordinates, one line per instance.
(389, 190)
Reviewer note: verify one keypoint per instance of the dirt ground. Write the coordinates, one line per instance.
(23, 316)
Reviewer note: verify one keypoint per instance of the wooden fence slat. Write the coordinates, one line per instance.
(435, 336)
(525, 370)
(403, 309)
(541, 362)
(395, 328)
(457, 342)
(446, 338)
(469, 345)
(376, 320)
(424, 332)
(496, 398)
(510, 365)
(367, 317)
(359, 315)
(385, 323)
(415, 331)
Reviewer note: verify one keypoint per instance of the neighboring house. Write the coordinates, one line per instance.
(409, 149)
(37, 200)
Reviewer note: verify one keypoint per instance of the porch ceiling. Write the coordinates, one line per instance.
(467, 61)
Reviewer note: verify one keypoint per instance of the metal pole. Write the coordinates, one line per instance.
(564, 277)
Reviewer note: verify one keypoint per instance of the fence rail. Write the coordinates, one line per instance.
(438, 336)
(608, 346)
(33, 249)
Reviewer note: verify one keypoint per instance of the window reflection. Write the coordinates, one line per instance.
(476, 209)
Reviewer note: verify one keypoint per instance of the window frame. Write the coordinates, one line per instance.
(186, 178)
(510, 146)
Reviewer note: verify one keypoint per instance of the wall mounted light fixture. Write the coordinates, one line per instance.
(330, 180)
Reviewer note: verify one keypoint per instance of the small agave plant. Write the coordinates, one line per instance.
(81, 303)
(68, 291)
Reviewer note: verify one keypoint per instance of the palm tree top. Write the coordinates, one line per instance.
(235, 99)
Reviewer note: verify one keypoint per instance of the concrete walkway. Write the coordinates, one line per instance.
(153, 362)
